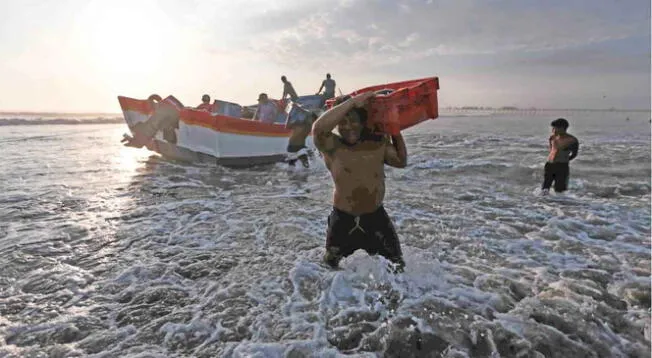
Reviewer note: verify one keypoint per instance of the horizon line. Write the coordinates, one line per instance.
(441, 108)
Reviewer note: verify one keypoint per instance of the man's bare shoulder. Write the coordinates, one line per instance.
(569, 139)
(326, 142)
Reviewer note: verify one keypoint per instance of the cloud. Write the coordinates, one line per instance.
(490, 52)
(585, 61)
(379, 32)
(483, 50)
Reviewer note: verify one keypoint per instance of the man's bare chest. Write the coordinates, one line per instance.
(358, 164)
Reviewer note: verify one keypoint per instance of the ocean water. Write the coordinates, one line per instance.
(107, 251)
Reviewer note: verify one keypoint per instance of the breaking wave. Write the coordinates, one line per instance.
(57, 121)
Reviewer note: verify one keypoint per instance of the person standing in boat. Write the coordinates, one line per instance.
(356, 160)
(329, 87)
(563, 148)
(288, 90)
(266, 110)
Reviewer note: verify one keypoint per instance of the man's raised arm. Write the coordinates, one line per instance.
(396, 152)
(322, 129)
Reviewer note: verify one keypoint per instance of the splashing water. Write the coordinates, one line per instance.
(110, 251)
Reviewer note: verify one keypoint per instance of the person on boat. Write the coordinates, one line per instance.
(246, 112)
(356, 160)
(300, 123)
(563, 148)
(329, 87)
(205, 103)
(288, 90)
(266, 110)
(165, 117)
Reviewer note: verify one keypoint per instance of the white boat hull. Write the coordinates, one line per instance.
(205, 137)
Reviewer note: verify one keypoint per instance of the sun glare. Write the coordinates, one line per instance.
(123, 39)
(129, 160)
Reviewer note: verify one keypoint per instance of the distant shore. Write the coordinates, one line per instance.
(71, 118)
(517, 109)
(89, 115)
(60, 114)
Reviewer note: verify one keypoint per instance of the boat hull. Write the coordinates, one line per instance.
(214, 138)
(194, 135)
(174, 152)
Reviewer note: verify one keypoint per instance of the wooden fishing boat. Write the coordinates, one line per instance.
(223, 136)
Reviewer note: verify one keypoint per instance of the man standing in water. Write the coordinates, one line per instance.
(356, 160)
(329, 87)
(563, 149)
(299, 121)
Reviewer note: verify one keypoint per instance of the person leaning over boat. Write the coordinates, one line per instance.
(563, 148)
(164, 117)
(356, 160)
(205, 104)
(288, 90)
(266, 111)
(329, 87)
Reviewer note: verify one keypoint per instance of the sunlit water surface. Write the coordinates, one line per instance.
(114, 252)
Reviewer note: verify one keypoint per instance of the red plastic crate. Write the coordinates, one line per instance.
(410, 103)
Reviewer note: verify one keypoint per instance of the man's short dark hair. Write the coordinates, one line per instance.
(362, 113)
(366, 133)
(560, 123)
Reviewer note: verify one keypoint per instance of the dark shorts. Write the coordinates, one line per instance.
(373, 232)
(557, 173)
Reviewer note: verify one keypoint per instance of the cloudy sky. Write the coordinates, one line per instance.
(78, 55)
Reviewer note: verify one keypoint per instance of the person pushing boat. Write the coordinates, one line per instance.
(165, 117)
(299, 121)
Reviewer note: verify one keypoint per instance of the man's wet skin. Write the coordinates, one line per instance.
(356, 160)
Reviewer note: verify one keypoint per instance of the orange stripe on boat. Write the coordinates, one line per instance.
(136, 105)
(217, 123)
(232, 125)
